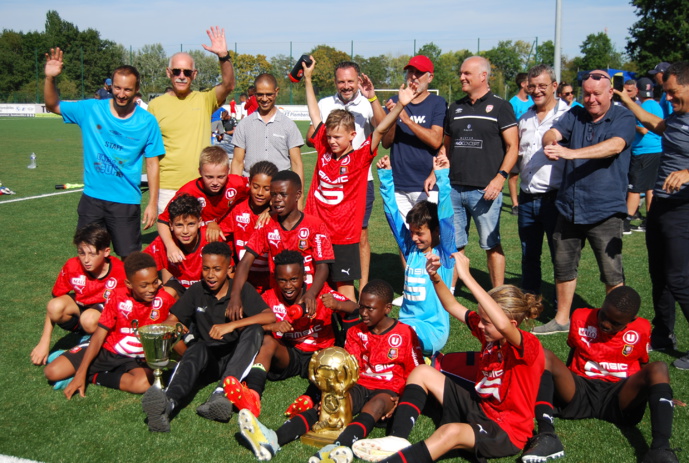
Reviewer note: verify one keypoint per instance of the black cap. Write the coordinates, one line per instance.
(661, 67)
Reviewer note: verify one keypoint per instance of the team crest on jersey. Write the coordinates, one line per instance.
(393, 353)
(627, 349)
(489, 108)
(106, 294)
(395, 340)
(303, 245)
(343, 170)
(155, 314)
(126, 307)
(631, 337)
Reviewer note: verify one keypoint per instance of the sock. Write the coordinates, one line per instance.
(408, 410)
(70, 325)
(107, 378)
(417, 453)
(659, 399)
(256, 379)
(544, 404)
(296, 426)
(357, 429)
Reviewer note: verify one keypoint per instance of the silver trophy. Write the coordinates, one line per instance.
(157, 341)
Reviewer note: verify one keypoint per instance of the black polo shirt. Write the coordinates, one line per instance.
(477, 148)
(200, 306)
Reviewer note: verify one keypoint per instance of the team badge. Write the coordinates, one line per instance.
(631, 337)
(627, 350)
(489, 108)
(154, 314)
(303, 245)
(106, 294)
(343, 170)
(395, 340)
(392, 353)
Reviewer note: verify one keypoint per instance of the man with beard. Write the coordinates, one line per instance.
(116, 135)
(184, 115)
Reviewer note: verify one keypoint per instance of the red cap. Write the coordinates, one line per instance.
(420, 62)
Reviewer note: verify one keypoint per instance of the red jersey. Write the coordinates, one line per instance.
(309, 236)
(386, 359)
(508, 381)
(87, 289)
(240, 223)
(186, 272)
(338, 188)
(251, 105)
(213, 207)
(598, 355)
(118, 314)
(309, 334)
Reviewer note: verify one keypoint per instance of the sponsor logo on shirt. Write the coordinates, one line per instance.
(395, 340)
(111, 283)
(303, 233)
(274, 237)
(319, 243)
(243, 220)
(589, 332)
(202, 202)
(418, 119)
(230, 194)
(126, 307)
(631, 337)
(79, 282)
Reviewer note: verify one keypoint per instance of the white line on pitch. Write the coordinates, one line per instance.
(40, 196)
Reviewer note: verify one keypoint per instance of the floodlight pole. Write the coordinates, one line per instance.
(558, 38)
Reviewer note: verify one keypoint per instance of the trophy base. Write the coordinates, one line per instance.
(320, 439)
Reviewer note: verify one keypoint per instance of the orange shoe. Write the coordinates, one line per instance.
(301, 404)
(241, 396)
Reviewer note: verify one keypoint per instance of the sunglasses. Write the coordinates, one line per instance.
(588, 76)
(187, 72)
(567, 93)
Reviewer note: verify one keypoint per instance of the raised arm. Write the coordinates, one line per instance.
(447, 299)
(405, 96)
(219, 47)
(652, 122)
(369, 92)
(311, 102)
(53, 68)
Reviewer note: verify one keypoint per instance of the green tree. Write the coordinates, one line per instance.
(151, 62)
(599, 53)
(208, 68)
(431, 51)
(545, 53)
(507, 59)
(247, 68)
(660, 34)
(376, 68)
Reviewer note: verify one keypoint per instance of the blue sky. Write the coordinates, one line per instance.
(376, 27)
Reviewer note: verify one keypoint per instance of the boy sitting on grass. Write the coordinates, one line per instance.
(114, 357)
(224, 347)
(216, 190)
(81, 289)
(431, 230)
(189, 237)
(608, 378)
(338, 190)
(386, 350)
(291, 340)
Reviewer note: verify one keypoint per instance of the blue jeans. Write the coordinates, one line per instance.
(537, 215)
(468, 203)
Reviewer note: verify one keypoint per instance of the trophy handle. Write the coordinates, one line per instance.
(179, 331)
(135, 327)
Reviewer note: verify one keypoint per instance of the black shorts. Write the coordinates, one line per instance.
(298, 365)
(82, 307)
(104, 361)
(121, 220)
(370, 198)
(594, 398)
(347, 265)
(643, 172)
(461, 406)
(361, 395)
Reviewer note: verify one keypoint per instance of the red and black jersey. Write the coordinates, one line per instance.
(308, 334)
(598, 355)
(508, 380)
(239, 225)
(87, 289)
(309, 236)
(119, 312)
(213, 207)
(338, 189)
(186, 272)
(386, 359)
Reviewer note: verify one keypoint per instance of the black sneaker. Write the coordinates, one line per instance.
(627, 226)
(682, 363)
(663, 344)
(216, 408)
(157, 408)
(543, 447)
(515, 210)
(661, 456)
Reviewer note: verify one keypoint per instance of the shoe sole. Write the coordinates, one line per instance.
(154, 402)
(540, 459)
(682, 366)
(250, 429)
(217, 410)
(339, 454)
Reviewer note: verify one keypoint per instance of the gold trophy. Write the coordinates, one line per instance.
(334, 371)
(157, 341)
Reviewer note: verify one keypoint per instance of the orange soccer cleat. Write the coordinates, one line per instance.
(241, 396)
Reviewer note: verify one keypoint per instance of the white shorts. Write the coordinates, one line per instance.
(408, 199)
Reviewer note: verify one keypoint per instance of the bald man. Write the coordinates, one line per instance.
(184, 116)
(594, 143)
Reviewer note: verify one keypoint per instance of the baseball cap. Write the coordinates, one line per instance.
(660, 67)
(420, 62)
(645, 86)
(108, 81)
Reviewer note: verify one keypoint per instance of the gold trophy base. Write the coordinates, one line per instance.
(321, 438)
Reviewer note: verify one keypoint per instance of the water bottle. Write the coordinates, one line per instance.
(298, 71)
(32, 158)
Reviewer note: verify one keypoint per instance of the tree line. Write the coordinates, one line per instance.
(89, 59)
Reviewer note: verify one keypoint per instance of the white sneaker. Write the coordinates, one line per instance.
(264, 441)
(397, 302)
(379, 449)
(333, 453)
